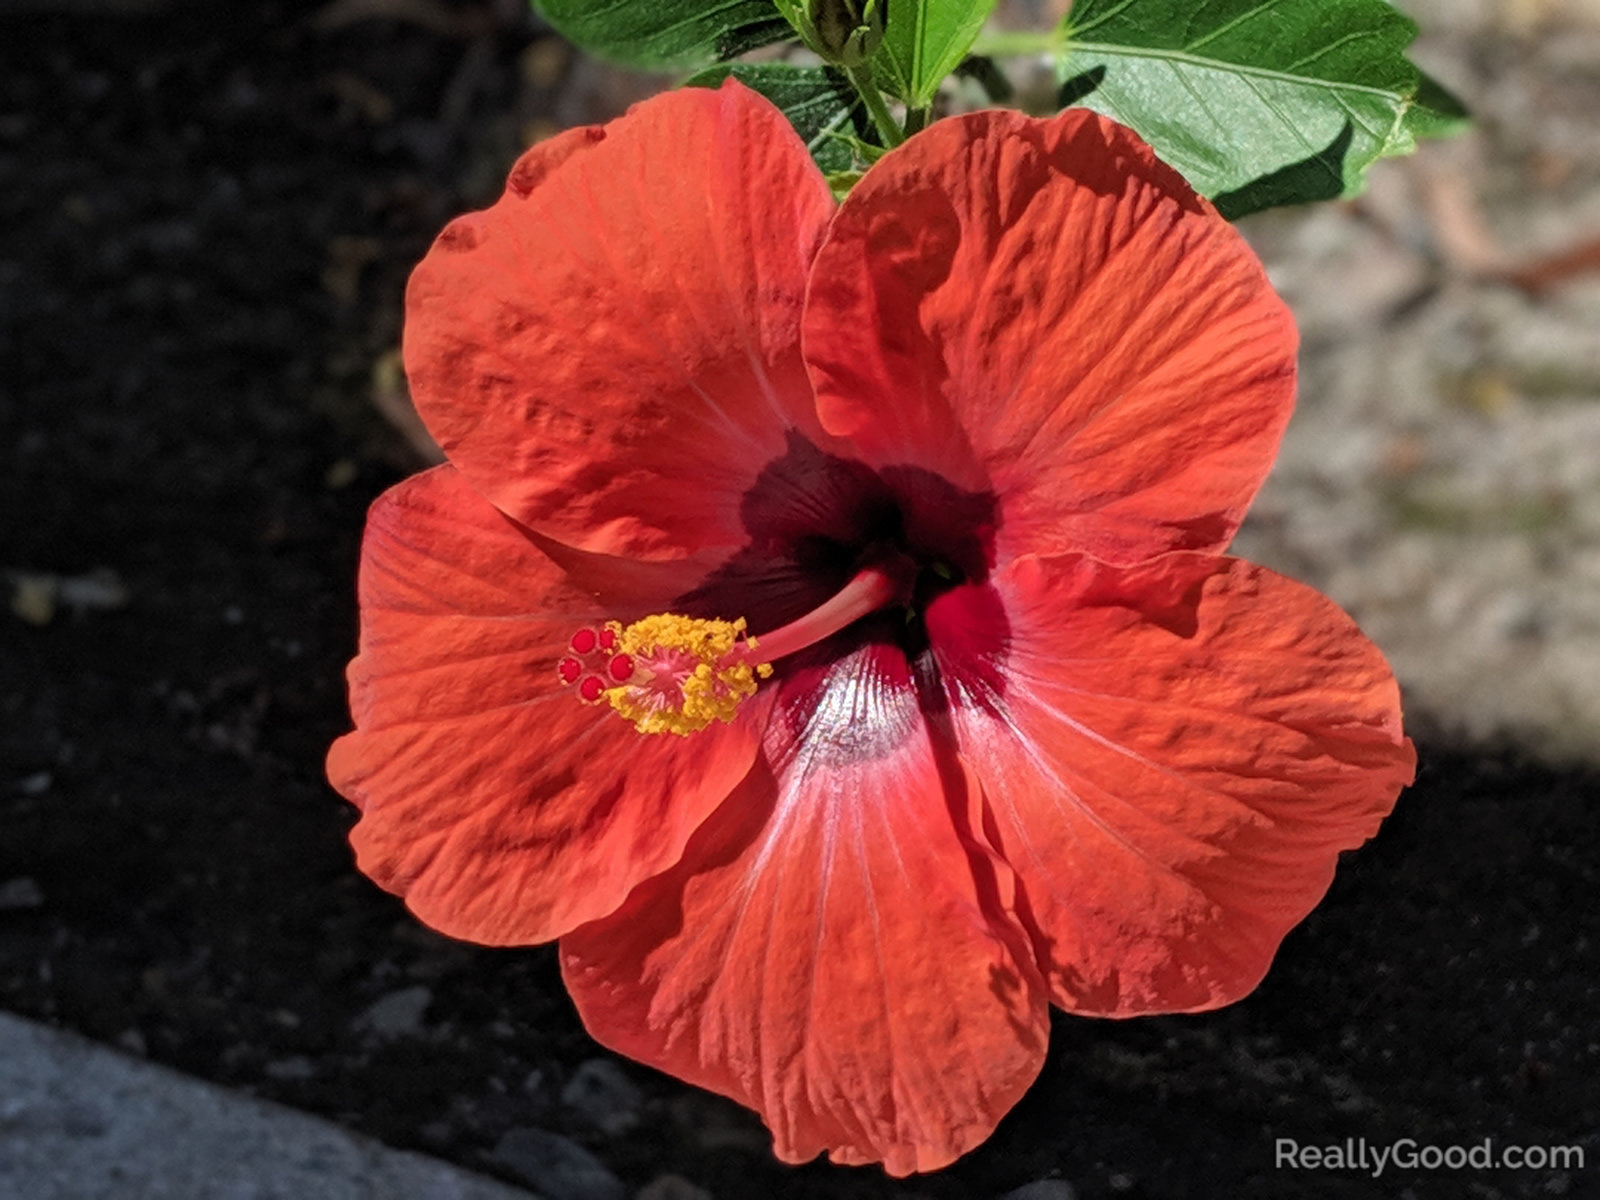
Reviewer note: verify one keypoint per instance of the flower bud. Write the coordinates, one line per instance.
(847, 31)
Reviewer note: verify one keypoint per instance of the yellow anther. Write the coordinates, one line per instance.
(689, 672)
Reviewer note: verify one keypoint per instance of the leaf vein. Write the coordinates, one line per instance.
(1223, 66)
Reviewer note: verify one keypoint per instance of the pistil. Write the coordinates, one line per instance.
(871, 589)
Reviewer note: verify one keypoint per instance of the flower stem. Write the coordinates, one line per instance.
(916, 120)
(861, 78)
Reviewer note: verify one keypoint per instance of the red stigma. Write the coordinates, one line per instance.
(593, 664)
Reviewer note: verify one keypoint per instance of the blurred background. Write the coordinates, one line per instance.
(206, 222)
(1442, 475)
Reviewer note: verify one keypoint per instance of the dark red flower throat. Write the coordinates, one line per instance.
(815, 521)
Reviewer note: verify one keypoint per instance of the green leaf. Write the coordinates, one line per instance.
(666, 35)
(866, 153)
(819, 102)
(925, 41)
(841, 182)
(1257, 102)
(794, 11)
(1436, 112)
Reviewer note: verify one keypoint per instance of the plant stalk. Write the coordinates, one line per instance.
(888, 129)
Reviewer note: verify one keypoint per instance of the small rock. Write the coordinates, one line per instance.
(399, 1014)
(36, 784)
(341, 474)
(20, 893)
(672, 1187)
(101, 590)
(36, 596)
(285, 1070)
(33, 598)
(1042, 1189)
(602, 1094)
(717, 1124)
(555, 1166)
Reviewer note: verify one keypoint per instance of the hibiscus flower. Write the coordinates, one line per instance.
(821, 625)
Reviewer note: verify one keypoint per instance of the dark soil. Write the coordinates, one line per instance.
(205, 224)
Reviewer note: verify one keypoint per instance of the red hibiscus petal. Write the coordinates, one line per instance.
(1042, 308)
(623, 324)
(503, 809)
(1178, 754)
(837, 949)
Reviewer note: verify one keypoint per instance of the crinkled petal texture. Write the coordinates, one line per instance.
(1100, 766)
(1183, 748)
(495, 802)
(1044, 310)
(623, 325)
(837, 949)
